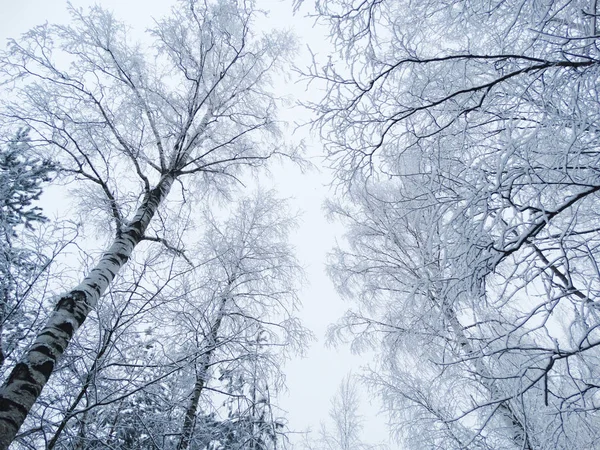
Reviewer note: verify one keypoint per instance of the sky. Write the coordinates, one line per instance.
(313, 380)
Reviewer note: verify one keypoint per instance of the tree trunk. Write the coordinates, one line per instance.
(201, 379)
(519, 433)
(30, 375)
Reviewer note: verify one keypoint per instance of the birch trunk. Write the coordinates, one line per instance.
(519, 433)
(201, 379)
(28, 378)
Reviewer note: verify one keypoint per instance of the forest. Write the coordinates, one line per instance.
(151, 291)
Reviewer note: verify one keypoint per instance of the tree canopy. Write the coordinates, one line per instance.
(462, 137)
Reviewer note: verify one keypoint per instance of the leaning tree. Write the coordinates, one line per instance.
(127, 122)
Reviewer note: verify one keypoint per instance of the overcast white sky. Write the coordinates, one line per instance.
(313, 380)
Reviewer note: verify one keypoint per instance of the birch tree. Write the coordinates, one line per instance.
(346, 424)
(431, 372)
(481, 119)
(127, 122)
(245, 325)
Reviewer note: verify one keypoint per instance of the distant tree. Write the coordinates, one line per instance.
(344, 430)
(251, 423)
(22, 175)
(128, 122)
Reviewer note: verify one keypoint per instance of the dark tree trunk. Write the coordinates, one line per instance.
(201, 380)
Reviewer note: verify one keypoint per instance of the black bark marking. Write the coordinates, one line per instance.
(50, 333)
(69, 303)
(136, 231)
(66, 328)
(101, 275)
(114, 260)
(45, 368)
(20, 372)
(7, 404)
(122, 257)
(32, 389)
(80, 318)
(44, 350)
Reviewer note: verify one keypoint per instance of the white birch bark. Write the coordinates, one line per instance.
(30, 375)
(201, 379)
(511, 420)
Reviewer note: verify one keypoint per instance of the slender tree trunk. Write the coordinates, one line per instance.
(519, 433)
(80, 444)
(26, 381)
(5, 274)
(2, 357)
(201, 379)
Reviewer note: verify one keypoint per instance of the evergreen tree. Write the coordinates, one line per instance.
(21, 178)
